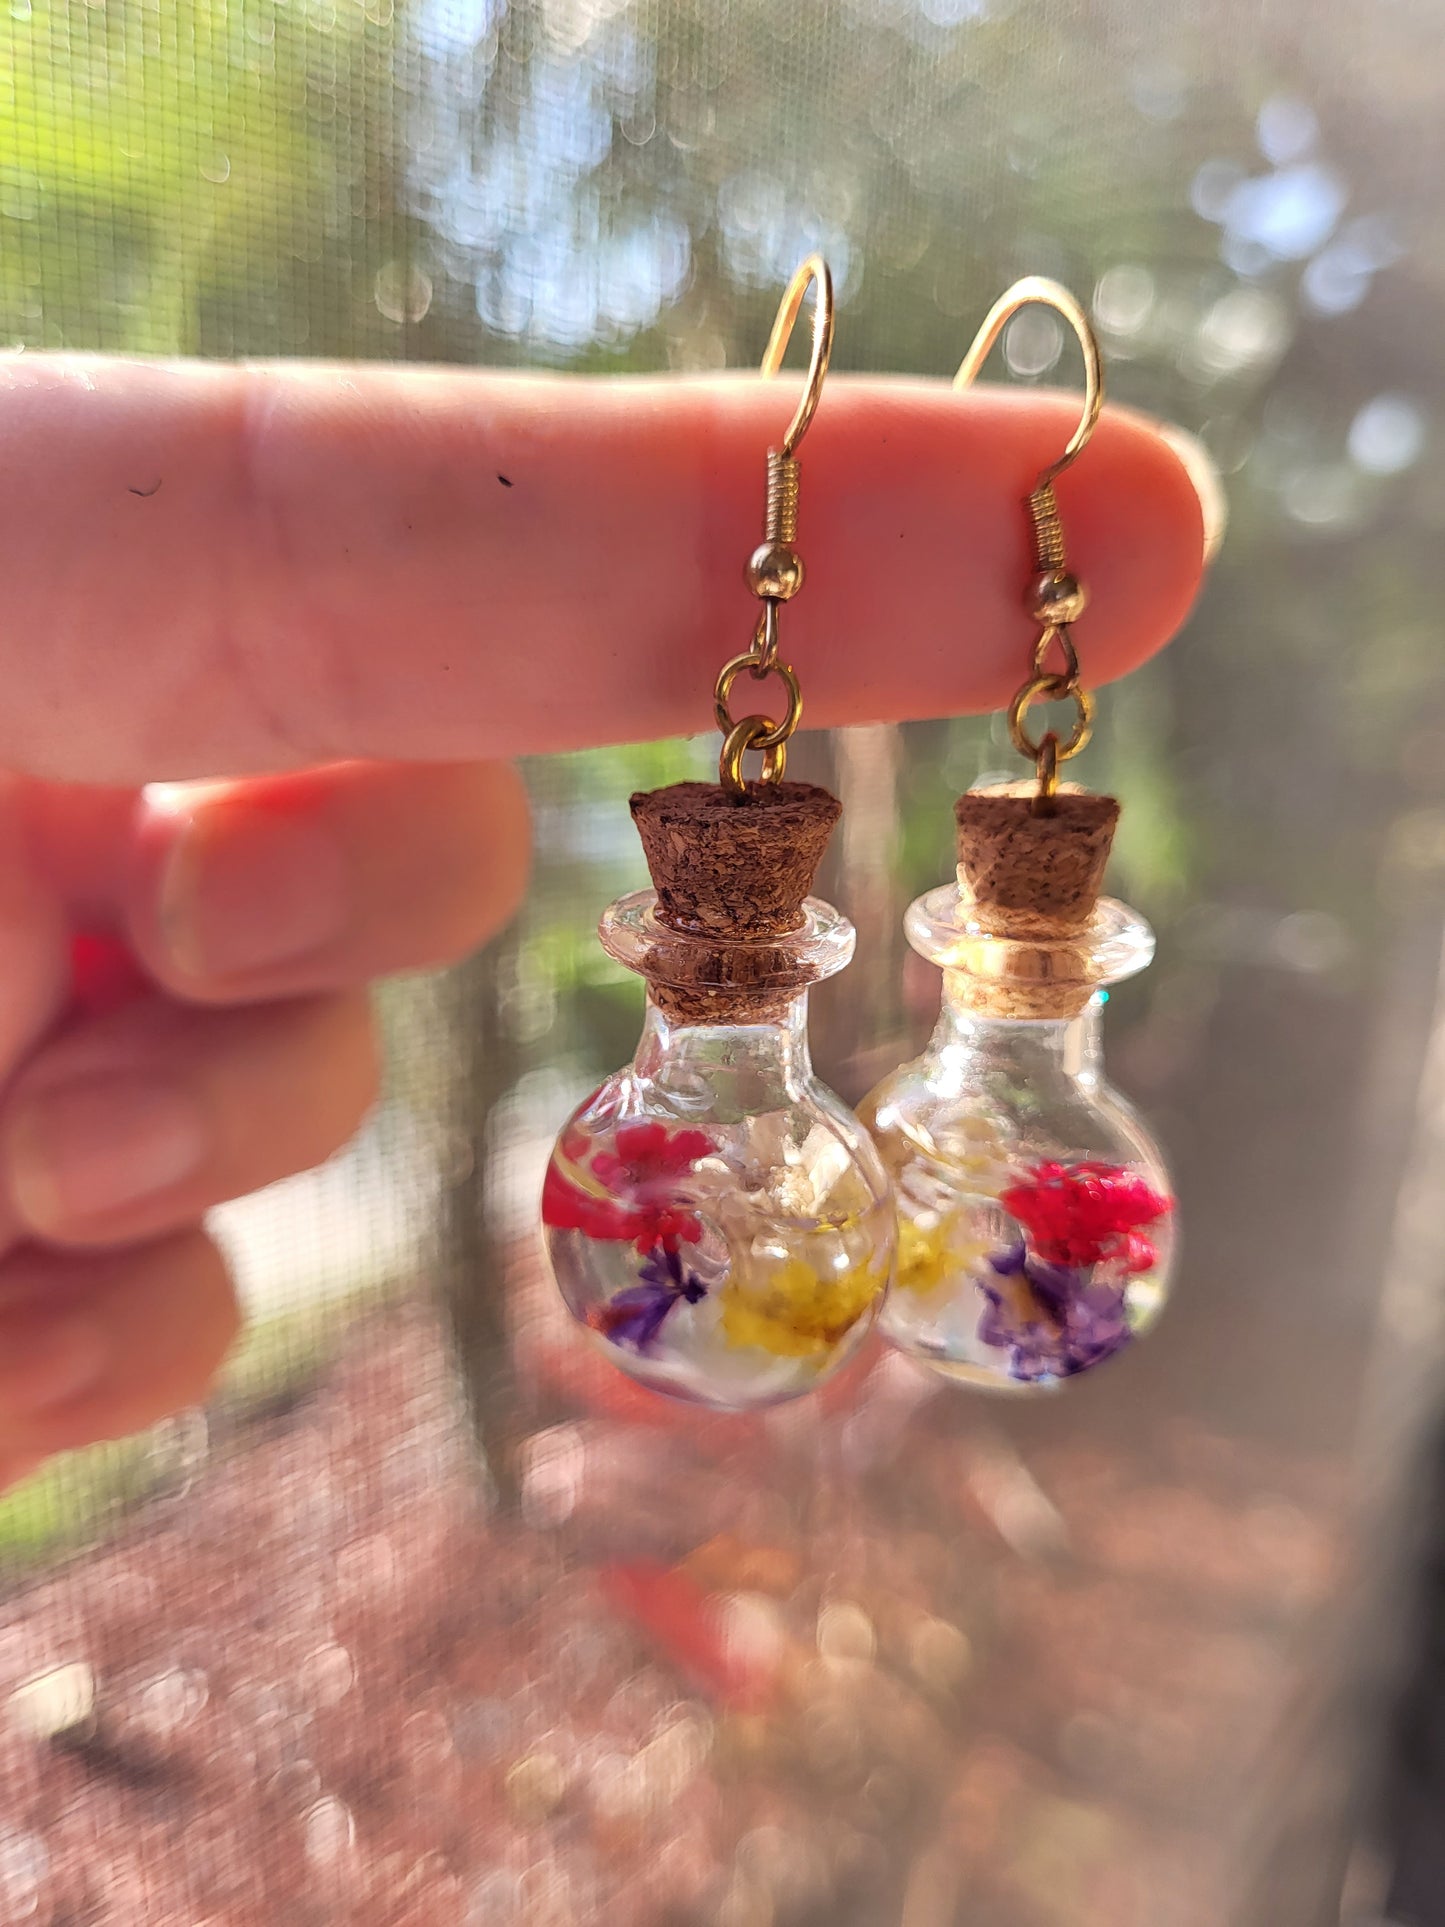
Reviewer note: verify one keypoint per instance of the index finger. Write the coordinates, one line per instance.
(217, 570)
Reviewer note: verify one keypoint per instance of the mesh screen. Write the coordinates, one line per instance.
(429, 1619)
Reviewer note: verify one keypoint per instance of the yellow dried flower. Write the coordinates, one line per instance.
(930, 1260)
(793, 1310)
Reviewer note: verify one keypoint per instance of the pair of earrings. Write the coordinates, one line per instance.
(725, 1227)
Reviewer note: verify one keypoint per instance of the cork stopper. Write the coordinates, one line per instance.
(734, 866)
(1029, 887)
(1033, 876)
(735, 870)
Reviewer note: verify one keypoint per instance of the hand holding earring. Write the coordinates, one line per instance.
(98, 655)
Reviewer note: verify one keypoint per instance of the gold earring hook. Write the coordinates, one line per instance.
(775, 569)
(1034, 290)
(1055, 598)
(814, 271)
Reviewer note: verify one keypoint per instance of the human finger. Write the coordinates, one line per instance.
(98, 1345)
(132, 1125)
(278, 886)
(219, 569)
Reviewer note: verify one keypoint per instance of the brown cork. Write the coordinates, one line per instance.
(1032, 881)
(734, 870)
(1033, 876)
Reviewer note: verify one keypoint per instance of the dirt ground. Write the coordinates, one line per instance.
(855, 1666)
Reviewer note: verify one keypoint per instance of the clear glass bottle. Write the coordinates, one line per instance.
(1036, 1231)
(715, 1217)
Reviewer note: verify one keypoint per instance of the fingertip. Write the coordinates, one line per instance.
(1136, 521)
(1208, 484)
(493, 812)
(157, 1321)
(239, 889)
(128, 1127)
(51, 1358)
(921, 549)
(338, 1035)
(288, 885)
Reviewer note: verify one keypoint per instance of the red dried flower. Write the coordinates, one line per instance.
(647, 1154)
(640, 1175)
(567, 1207)
(1087, 1214)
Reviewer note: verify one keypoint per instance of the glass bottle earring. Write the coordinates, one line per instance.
(714, 1217)
(1036, 1227)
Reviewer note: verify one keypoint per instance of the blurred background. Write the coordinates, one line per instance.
(431, 1620)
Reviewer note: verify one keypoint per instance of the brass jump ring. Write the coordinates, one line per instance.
(1048, 764)
(750, 733)
(777, 733)
(1051, 689)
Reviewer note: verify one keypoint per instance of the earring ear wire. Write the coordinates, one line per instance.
(1056, 597)
(775, 569)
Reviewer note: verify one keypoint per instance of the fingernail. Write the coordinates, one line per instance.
(244, 890)
(1199, 466)
(47, 1362)
(85, 1150)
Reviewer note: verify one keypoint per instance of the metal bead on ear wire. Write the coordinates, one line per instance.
(716, 1219)
(1036, 1226)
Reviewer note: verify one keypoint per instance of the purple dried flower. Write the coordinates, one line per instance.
(1053, 1320)
(634, 1317)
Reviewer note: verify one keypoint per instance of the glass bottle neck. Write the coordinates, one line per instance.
(750, 1067)
(1039, 1048)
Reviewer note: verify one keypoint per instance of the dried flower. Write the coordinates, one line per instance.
(634, 1317)
(648, 1154)
(629, 1192)
(794, 1309)
(1054, 1320)
(930, 1261)
(1086, 1214)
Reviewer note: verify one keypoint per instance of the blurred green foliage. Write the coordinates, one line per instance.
(192, 177)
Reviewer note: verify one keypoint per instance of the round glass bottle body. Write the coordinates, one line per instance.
(718, 1220)
(1036, 1232)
